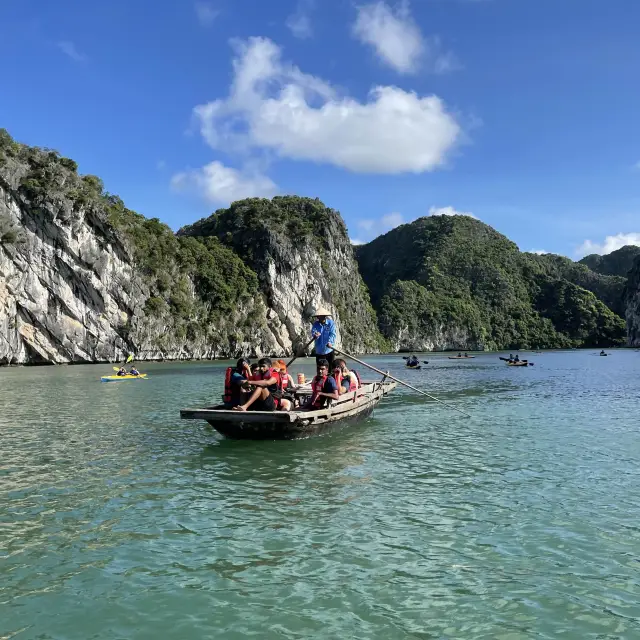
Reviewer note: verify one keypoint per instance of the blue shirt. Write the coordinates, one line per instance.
(327, 333)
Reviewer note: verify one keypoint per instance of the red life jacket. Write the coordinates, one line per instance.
(228, 396)
(284, 380)
(352, 385)
(317, 384)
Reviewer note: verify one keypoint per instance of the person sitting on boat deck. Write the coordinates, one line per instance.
(235, 388)
(134, 372)
(347, 380)
(267, 394)
(324, 332)
(413, 361)
(287, 385)
(324, 388)
(122, 372)
(287, 380)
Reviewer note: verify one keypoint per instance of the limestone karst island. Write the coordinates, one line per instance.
(85, 279)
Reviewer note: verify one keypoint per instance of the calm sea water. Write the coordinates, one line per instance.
(119, 520)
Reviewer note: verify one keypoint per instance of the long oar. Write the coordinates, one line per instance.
(344, 353)
(303, 351)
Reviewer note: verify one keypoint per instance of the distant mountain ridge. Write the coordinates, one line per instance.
(616, 263)
(454, 282)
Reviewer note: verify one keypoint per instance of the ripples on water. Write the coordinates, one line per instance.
(121, 521)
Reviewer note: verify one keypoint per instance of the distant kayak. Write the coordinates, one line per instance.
(523, 363)
(417, 366)
(461, 357)
(142, 376)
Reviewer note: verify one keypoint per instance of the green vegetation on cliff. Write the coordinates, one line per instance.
(616, 263)
(457, 271)
(288, 233)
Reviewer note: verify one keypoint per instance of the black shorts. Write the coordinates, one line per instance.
(264, 405)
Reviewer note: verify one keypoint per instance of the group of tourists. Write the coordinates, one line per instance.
(268, 386)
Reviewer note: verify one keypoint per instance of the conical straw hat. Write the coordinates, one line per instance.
(322, 311)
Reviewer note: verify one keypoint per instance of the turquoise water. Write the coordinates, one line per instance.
(119, 520)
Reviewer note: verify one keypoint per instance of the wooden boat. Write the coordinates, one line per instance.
(290, 425)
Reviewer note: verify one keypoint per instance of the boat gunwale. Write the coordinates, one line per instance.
(347, 405)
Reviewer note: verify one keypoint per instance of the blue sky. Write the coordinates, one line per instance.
(523, 113)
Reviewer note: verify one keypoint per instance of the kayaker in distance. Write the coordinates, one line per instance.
(122, 371)
(324, 332)
(134, 372)
(516, 359)
(413, 361)
(459, 355)
(602, 353)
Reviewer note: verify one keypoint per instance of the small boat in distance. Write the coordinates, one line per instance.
(461, 357)
(350, 408)
(140, 376)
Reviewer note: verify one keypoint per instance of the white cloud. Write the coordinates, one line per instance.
(275, 107)
(397, 39)
(366, 224)
(205, 13)
(394, 35)
(540, 252)
(392, 220)
(69, 49)
(611, 243)
(356, 242)
(299, 22)
(448, 211)
(220, 184)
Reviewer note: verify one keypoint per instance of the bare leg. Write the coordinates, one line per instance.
(252, 398)
(285, 405)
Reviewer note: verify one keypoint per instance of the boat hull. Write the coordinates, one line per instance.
(416, 367)
(350, 409)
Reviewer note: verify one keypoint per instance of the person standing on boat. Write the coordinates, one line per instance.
(324, 332)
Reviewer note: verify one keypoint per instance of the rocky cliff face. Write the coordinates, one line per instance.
(633, 305)
(84, 279)
(67, 291)
(302, 255)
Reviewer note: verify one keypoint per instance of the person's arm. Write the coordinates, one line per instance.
(315, 330)
(332, 334)
(263, 383)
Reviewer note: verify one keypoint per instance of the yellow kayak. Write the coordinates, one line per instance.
(142, 376)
